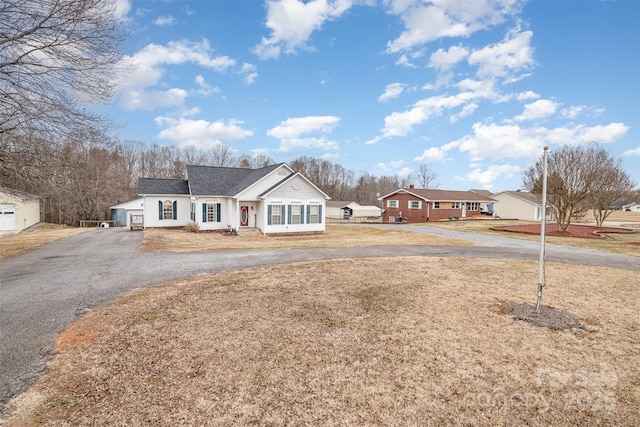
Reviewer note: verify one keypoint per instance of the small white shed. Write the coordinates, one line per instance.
(18, 210)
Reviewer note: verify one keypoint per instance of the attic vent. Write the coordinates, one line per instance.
(283, 172)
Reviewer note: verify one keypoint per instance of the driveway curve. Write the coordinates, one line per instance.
(41, 291)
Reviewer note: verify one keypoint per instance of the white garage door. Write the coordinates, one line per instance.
(7, 217)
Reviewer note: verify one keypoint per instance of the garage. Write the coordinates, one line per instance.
(7, 217)
(18, 210)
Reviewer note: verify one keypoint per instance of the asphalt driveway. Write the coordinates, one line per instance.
(41, 291)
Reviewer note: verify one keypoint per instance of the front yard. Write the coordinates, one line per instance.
(402, 341)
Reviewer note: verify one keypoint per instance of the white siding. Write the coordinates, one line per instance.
(265, 183)
(511, 207)
(297, 191)
(24, 215)
(151, 217)
(226, 213)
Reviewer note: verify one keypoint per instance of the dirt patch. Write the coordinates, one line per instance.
(75, 336)
(584, 231)
(548, 317)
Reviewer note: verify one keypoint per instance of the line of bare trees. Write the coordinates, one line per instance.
(81, 177)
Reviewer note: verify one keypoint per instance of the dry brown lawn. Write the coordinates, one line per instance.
(29, 239)
(627, 244)
(179, 240)
(401, 341)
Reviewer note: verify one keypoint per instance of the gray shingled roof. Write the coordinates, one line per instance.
(223, 181)
(162, 186)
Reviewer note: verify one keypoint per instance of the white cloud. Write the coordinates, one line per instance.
(201, 133)
(500, 141)
(513, 141)
(292, 21)
(205, 88)
(294, 132)
(525, 96)
(428, 21)
(249, 73)
(466, 111)
(572, 112)
(444, 60)
(582, 134)
(504, 59)
(145, 69)
(632, 152)
(538, 110)
(405, 61)
(393, 90)
(121, 8)
(149, 100)
(405, 171)
(164, 20)
(486, 178)
(432, 154)
(402, 123)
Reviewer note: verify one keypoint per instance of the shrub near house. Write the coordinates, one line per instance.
(420, 205)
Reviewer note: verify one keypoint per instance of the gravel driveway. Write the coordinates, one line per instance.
(41, 291)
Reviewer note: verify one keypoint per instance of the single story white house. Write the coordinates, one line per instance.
(521, 205)
(346, 210)
(274, 199)
(18, 210)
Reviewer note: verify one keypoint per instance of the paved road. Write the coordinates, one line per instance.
(43, 290)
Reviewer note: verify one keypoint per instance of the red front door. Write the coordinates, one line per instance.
(244, 216)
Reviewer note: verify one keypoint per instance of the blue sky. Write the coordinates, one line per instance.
(474, 89)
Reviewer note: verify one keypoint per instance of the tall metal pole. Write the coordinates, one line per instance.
(543, 223)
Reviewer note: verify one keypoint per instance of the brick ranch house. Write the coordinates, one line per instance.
(420, 205)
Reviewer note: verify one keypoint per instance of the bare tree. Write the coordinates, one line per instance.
(254, 162)
(55, 56)
(576, 176)
(614, 186)
(221, 155)
(426, 178)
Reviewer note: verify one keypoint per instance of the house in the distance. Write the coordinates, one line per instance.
(521, 205)
(341, 210)
(274, 199)
(633, 207)
(420, 205)
(18, 210)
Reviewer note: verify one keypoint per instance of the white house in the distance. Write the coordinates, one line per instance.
(351, 210)
(520, 205)
(18, 210)
(634, 207)
(274, 199)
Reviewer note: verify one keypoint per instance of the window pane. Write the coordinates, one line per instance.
(313, 214)
(211, 212)
(167, 210)
(295, 214)
(276, 214)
